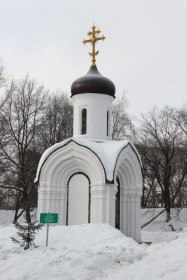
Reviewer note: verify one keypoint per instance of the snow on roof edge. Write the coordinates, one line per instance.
(99, 147)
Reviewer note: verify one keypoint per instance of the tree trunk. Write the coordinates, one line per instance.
(150, 221)
(28, 215)
(17, 206)
(16, 215)
(168, 215)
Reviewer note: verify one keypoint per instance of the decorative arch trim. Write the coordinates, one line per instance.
(136, 154)
(128, 145)
(129, 168)
(61, 147)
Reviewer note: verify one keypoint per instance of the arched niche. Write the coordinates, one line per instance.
(78, 200)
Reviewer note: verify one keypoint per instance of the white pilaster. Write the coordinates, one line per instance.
(53, 200)
(103, 199)
(111, 190)
(130, 212)
(98, 202)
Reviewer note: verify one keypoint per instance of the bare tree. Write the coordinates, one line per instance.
(180, 117)
(2, 76)
(123, 127)
(3, 81)
(58, 121)
(159, 145)
(21, 116)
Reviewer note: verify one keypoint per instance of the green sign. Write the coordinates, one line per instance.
(48, 218)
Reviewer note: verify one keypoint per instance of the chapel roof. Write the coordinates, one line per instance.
(93, 82)
(100, 148)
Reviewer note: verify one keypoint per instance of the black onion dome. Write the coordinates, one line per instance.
(93, 82)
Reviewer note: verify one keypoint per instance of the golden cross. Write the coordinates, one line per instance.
(93, 39)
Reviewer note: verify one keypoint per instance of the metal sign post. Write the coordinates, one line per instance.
(47, 234)
(48, 218)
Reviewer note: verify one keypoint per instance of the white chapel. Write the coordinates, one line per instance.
(90, 178)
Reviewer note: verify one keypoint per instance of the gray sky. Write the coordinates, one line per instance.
(144, 54)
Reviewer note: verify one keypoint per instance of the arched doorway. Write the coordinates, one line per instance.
(78, 200)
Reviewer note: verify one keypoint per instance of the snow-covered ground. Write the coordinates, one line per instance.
(94, 251)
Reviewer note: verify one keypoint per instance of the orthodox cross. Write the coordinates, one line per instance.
(93, 39)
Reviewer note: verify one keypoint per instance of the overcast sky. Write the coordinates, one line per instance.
(144, 54)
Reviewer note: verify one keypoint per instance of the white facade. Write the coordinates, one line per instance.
(111, 170)
(75, 156)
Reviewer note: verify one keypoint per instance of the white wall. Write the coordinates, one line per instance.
(97, 106)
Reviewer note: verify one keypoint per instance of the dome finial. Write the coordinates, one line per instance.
(93, 39)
